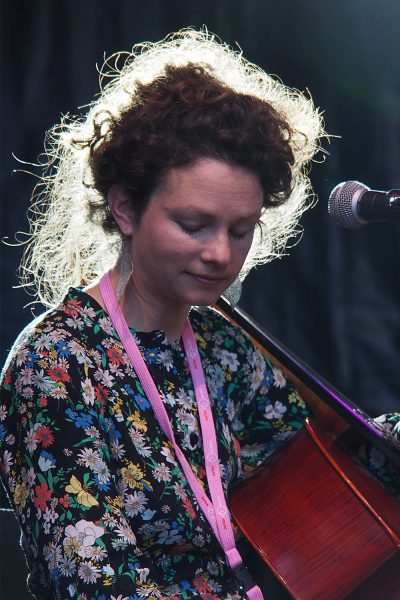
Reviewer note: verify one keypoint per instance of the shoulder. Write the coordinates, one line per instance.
(223, 342)
(208, 320)
(62, 328)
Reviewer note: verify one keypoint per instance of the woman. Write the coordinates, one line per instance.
(187, 171)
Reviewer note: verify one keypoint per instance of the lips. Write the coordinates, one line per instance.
(207, 279)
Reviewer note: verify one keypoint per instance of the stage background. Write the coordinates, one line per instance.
(335, 299)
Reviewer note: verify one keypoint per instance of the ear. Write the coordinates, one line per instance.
(121, 208)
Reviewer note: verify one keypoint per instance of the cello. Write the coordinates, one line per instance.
(318, 519)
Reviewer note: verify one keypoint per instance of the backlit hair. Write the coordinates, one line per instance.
(166, 104)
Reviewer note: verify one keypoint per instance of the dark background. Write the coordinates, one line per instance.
(335, 300)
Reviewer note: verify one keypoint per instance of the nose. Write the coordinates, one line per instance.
(218, 249)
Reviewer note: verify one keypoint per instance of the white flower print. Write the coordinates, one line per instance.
(199, 540)
(92, 432)
(88, 391)
(167, 452)
(74, 322)
(59, 392)
(252, 450)
(88, 312)
(10, 439)
(126, 533)
(30, 440)
(67, 566)
(119, 544)
(88, 572)
(162, 473)
(230, 409)
(57, 335)
(188, 419)
(215, 587)
(227, 432)
(106, 324)
(44, 342)
(190, 441)
(135, 503)
(143, 574)
(28, 476)
(85, 532)
(255, 378)
(117, 450)
(116, 370)
(104, 377)
(279, 378)
(186, 400)
(21, 356)
(28, 392)
(275, 411)
(180, 491)
(139, 442)
(108, 570)
(84, 360)
(212, 567)
(53, 554)
(89, 457)
(50, 515)
(168, 399)
(7, 461)
(165, 358)
(22, 408)
(42, 381)
(75, 348)
(96, 552)
(109, 520)
(25, 377)
(102, 472)
(229, 359)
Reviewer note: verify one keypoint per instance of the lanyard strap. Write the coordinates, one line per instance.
(215, 511)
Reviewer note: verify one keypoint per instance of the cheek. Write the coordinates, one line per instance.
(243, 250)
(179, 245)
(169, 253)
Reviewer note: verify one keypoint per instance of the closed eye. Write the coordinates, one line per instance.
(193, 230)
(190, 230)
(238, 236)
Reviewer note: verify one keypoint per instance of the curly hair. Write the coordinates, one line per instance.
(172, 102)
(183, 115)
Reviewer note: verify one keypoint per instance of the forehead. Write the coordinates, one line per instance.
(208, 182)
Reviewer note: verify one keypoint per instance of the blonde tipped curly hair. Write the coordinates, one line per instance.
(256, 121)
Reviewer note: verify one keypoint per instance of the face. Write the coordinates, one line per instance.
(195, 233)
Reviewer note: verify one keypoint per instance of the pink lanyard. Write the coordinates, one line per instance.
(216, 510)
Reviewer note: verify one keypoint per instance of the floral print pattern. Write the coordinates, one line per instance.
(378, 464)
(104, 507)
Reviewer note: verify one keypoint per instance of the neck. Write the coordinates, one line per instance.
(144, 312)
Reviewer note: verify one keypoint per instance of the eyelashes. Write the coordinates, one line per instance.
(194, 231)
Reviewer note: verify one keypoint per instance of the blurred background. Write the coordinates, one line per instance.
(335, 299)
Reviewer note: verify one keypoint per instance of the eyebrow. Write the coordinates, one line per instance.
(184, 212)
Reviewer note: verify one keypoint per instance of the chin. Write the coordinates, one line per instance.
(205, 299)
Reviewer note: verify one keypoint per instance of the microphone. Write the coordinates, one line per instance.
(353, 204)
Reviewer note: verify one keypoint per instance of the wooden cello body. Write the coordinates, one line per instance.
(325, 527)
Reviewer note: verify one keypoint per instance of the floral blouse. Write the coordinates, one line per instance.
(104, 507)
(105, 510)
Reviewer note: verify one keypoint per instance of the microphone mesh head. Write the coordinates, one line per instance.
(342, 204)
